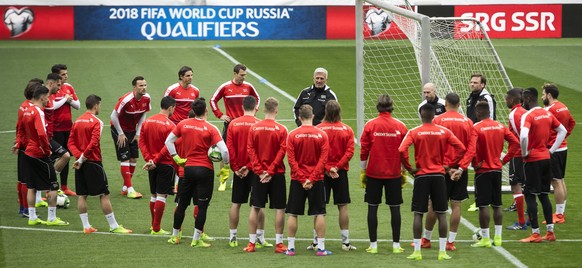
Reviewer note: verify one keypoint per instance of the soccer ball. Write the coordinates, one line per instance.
(214, 154)
(477, 235)
(63, 200)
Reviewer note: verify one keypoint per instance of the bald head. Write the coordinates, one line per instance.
(429, 92)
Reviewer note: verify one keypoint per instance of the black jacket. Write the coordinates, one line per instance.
(474, 98)
(315, 97)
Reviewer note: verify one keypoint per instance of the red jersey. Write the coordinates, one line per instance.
(561, 112)
(21, 135)
(236, 141)
(33, 126)
(153, 134)
(233, 95)
(540, 123)
(198, 135)
(379, 146)
(430, 145)
(267, 146)
(489, 139)
(341, 144)
(85, 137)
(184, 98)
(307, 151)
(48, 118)
(62, 118)
(130, 110)
(515, 115)
(462, 128)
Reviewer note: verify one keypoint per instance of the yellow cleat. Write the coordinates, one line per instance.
(415, 256)
(443, 256)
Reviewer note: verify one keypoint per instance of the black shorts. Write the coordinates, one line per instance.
(457, 190)
(130, 150)
(241, 188)
(224, 130)
(433, 186)
(57, 149)
(558, 164)
(488, 189)
(62, 137)
(21, 167)
(392, 187)
(91, 179)
(516, 171)
(162, 179)
(298, 195)
(40, 173)
(340, 187)
(275, 190)
(197, 181)
(538, 177)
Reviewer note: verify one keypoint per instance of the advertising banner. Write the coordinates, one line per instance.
(37, 23)
(199, 23)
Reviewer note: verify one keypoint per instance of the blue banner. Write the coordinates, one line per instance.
(199, 23)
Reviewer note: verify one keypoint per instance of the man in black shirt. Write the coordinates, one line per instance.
(429, 94)
(316, 95)
(479, 93)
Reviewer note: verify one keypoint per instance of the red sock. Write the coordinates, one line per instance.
(18, 190)
(152, 211)
(519, 200)
(132, 168)
(158, 213)
(126, 175)
(24, 193)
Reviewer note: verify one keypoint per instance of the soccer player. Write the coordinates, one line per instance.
(516, 179)
(536, 126)
(550, 94)
(381, 169)
(159, 163)
(462, 128)
(127, 118)
(307, 151)
(184, 93)
(198, 136)
(489, 138)
(429, 93)
(63, 119)
(90, 177)
(430, 146)
(39, 171)
(233, 93)
(479, 93)
(316, 95)
(236, 142)
(266, 146)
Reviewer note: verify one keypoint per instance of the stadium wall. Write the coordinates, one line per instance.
(262, 22)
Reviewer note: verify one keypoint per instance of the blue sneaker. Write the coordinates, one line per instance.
(517, 226)
(324, 252)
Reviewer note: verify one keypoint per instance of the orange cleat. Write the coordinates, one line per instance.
(549, 236)
(533, 238)
(250, 247)
(89, 230)
(424, 243)
(123, 192)
(68, 191)
(280, 248)
(451, 246)
(557, 218)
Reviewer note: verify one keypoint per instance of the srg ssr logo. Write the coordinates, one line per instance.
(514, 22)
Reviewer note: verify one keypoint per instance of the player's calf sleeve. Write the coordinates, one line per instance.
(373, 223)
(546, 207)
(201, 218)
(396, 222)
(532, 210)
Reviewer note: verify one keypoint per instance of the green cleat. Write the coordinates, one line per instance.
(265, 244)
(372, 250)
(36, 222)
(233, 243)
(222, 186)
(199, 244)
(497, 241)
(415, 256)
(174, 240)
(41, 204)
(473, 207)
(443, 256)
(160, 232)
(483, 243)
(206, 238)
(120, 230)
(57, 222)
(397, 250)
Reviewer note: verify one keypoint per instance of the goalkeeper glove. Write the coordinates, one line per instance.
(224, 173)
(403, 178)
(179, 161)
(363, 179)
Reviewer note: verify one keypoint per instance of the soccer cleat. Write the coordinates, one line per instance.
(424, 243)
(557, 218)
(57, 222)
(517, 226)
(473, 208)
(533, 238)
(549, 236)
(513, 207)
(160, 232)
(222, 187)
(134, 195)
(250, 247)
(120, 230)
(416, 255)
(41, 204)
(199, 244)
(122, 192)
(372, 250)
(443, 256)
(450, 246)
(497, 241)
(289, 252)
(89, 230)
(174, 240)
(265, 244)
(348, 247)
(280, 248)
(206, 238)
(68, 192)
(323, 252)
(313, 246)
(483, 243)
(233, 243)
(397, 250)
(36, 222)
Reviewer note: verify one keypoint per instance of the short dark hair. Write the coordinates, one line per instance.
(515, 92)
(183, 71)
(453, 99)
(249, 103)
(135, 79)
(191, 114)
(167, 102)
(91, 101)
(482, 76)
(427, 112)
(199, 106)
(239, 67)
(551, 89)
(39, 92)
(482, 109)
(53, 76)
(531, 92)
(385, 104)
(58, 67)
(32, 85)
(332, 112)
(305, 111)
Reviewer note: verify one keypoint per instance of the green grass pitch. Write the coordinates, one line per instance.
(107, 68)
